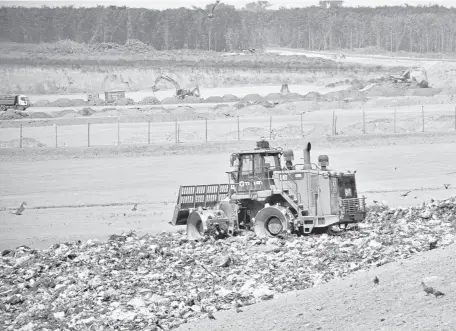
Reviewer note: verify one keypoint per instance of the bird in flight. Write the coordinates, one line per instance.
(405, 194)
(134, 207)
(211, 14)
(446, 186)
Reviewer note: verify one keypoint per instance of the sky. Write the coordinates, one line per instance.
(163, 4)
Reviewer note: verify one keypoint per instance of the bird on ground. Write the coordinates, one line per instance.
(21, 208)
(433, 244)
(134, 207)
(446, 186)
(427, 289)
(438, 293)
(210, 315)
(376, 280)
(375, 201)
(405, 194)
(211, 14)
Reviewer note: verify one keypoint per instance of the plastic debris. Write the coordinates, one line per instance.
(134, 283)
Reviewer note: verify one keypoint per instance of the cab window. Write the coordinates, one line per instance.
(246, 165)
(272, 162)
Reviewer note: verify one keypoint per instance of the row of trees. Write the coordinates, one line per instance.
(400, 28)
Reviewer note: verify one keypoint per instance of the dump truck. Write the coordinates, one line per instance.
(20, 102)
(270, 199)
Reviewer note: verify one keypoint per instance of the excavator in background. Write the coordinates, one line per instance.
(180, 93)
(417, 75)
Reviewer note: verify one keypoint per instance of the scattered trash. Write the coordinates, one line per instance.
(130, 282)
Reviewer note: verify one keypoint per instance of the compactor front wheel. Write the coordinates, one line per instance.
(272, 221)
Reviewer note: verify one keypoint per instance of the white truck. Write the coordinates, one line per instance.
(20, 102)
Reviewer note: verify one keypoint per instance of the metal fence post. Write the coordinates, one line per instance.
(394, 120)
(178, 133)
(88, 134)
(56, 144)
(118, 132)
(20, 136)
(270, 127)
(148, 132)
(422, 115)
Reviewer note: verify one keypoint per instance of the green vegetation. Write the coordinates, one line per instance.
(423, 29)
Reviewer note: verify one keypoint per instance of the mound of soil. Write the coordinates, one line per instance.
(315, 95)
(41, 103)
(423, 92)
(292, 96)
(39, 115)
(12, 115)
(221, 105)
(96, 102)
(65, 102)
(273, 96)
(191, 99)
(26, 142)
(149, 101)
(124, 102)
(214, 99)
(87, 111)
(230, 98)
(62, 113)
(253, 97)
(170, 101)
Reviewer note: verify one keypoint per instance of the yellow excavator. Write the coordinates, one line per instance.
(180, 93)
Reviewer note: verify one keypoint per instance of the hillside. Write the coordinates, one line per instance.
(355, 303)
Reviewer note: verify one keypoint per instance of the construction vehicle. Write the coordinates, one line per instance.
(417, 75)
(180, 93)
(19, 102)
(263, 197)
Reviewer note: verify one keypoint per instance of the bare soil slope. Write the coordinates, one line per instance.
(355, 303)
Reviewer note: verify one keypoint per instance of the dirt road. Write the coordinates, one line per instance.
(253, 124)
(111, 185)
(355, 303)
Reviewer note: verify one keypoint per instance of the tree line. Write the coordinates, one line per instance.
(401, 28)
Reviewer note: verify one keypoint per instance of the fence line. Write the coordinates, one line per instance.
(286, 126)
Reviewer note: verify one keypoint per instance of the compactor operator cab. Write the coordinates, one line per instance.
(253, 170)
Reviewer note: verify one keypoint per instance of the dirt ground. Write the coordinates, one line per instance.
(355, 303)
(92, 195)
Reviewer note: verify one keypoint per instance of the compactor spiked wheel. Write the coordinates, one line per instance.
(213, 222)
(272, 221)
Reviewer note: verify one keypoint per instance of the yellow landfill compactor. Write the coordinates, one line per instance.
(272, 199)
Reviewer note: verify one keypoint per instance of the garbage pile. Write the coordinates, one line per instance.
(143, 283)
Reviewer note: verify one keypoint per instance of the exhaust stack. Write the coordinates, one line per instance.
(307, 165)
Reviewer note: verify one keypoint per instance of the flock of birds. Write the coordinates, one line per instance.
(427, 289)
